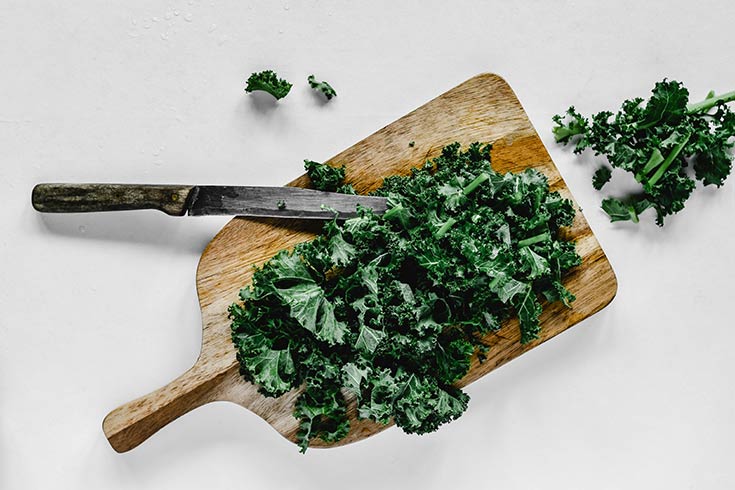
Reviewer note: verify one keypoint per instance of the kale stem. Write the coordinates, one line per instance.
(633, 213)
(394, 210)
(534, 239)
(473, 185)
(710, 102)
(670, 158)
(656, 158)
(445, 227)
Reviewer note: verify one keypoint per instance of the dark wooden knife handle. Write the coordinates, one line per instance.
(86, 198)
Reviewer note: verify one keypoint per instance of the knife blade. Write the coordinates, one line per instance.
(202, 200)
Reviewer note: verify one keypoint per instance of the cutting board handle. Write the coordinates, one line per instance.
(86, 198)
(129, 425)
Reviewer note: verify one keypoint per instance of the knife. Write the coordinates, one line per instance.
(202, 200)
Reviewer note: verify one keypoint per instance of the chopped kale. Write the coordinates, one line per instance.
(391, 309)
(322, 87)
(268, 81)
(602, 176)
(656, 142)
(325, 177)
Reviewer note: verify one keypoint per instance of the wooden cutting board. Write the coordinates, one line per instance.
(483, 109)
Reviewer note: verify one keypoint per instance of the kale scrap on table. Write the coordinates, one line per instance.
(392, 308)
(268, 81)
(656, 142)
(324, 87)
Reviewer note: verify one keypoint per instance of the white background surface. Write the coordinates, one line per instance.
(96, 310)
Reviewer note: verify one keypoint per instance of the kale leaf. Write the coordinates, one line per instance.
(391, 309)
(268, 81)
(602, 176)
(324, 177)
(322, 87)
(656, 142)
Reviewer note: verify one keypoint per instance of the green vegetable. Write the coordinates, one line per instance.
(625, 210)
(656, 141)
(391, 309)
(602, 176)
(268, 81)
(322, 87)
(327, 178)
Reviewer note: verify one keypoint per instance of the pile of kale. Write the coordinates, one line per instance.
(656, 142)
(392, 308)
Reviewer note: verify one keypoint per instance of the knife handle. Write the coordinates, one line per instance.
(87, 198)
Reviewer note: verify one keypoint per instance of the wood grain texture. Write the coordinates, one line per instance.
(484, 109)
(88, 198)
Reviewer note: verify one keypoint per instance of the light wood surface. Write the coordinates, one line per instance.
(484, 109)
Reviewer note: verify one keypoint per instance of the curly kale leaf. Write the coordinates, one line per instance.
(602, 176)
(421, 405)
(655, 142)
(272, 369)
(323, 414)
(306, 300)
(713, 157)
(390, 310)
(322, 87)
(325, 177)
(667, 105)
(268, 81)
(569, 125)
(452, 359)
(354, 377)
(529, 309)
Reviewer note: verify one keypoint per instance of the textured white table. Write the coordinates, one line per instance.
(638, 396)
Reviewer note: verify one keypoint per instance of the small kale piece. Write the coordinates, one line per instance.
(322, 87)
(656, 141)
(618, 210)
(602, 176)
(422, 405)
(575, 125)
(268, 81)
(346, 189)
(325, 177)
(323, 414)
(391, 309)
